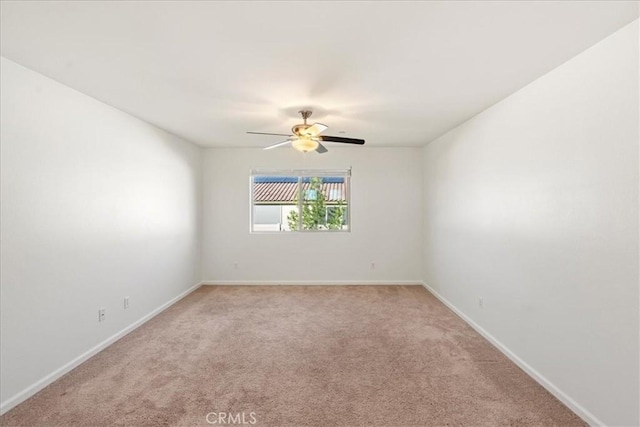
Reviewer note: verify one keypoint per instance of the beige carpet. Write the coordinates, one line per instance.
(298, 356)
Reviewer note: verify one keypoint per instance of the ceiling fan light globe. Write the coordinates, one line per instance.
(304, 144)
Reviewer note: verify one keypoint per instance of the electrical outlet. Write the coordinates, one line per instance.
(373, 265)
(235, 265)
(481, 302)
(126, 302)
(101, 314)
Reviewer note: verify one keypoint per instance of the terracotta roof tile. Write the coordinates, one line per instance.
(285, 192)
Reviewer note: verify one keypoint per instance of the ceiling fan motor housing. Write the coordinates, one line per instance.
(299, 130)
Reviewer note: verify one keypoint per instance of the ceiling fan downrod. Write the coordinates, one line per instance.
(305, 115)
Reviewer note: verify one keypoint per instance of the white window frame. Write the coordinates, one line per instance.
(301, 174)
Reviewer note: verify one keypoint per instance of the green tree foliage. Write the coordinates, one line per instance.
(335, 217)
(314, 211)
(292, 219)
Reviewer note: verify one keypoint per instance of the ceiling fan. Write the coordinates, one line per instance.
(306, 137)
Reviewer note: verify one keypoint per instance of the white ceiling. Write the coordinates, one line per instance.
(394, 73)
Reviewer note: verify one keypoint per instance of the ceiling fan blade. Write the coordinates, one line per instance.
(316, 129)
(341, 139)
(277, 145)
(321, 148)
(264, 133)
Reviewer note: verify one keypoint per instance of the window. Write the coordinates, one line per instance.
(300, 200)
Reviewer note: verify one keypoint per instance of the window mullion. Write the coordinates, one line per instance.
(300, 195)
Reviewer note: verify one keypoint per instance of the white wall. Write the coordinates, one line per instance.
(386, 219)
(96, 205)
(533, 205)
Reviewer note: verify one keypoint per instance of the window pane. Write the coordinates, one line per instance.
(324, 205)
(275, 205)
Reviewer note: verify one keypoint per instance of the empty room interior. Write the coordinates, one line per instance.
(320, 213)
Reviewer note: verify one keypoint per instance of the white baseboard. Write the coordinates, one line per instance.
(39, 385)
(587, 416)
(310, 282)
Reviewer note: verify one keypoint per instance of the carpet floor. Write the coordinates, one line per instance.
(298, 356)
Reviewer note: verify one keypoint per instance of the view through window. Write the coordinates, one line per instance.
(303, 200)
